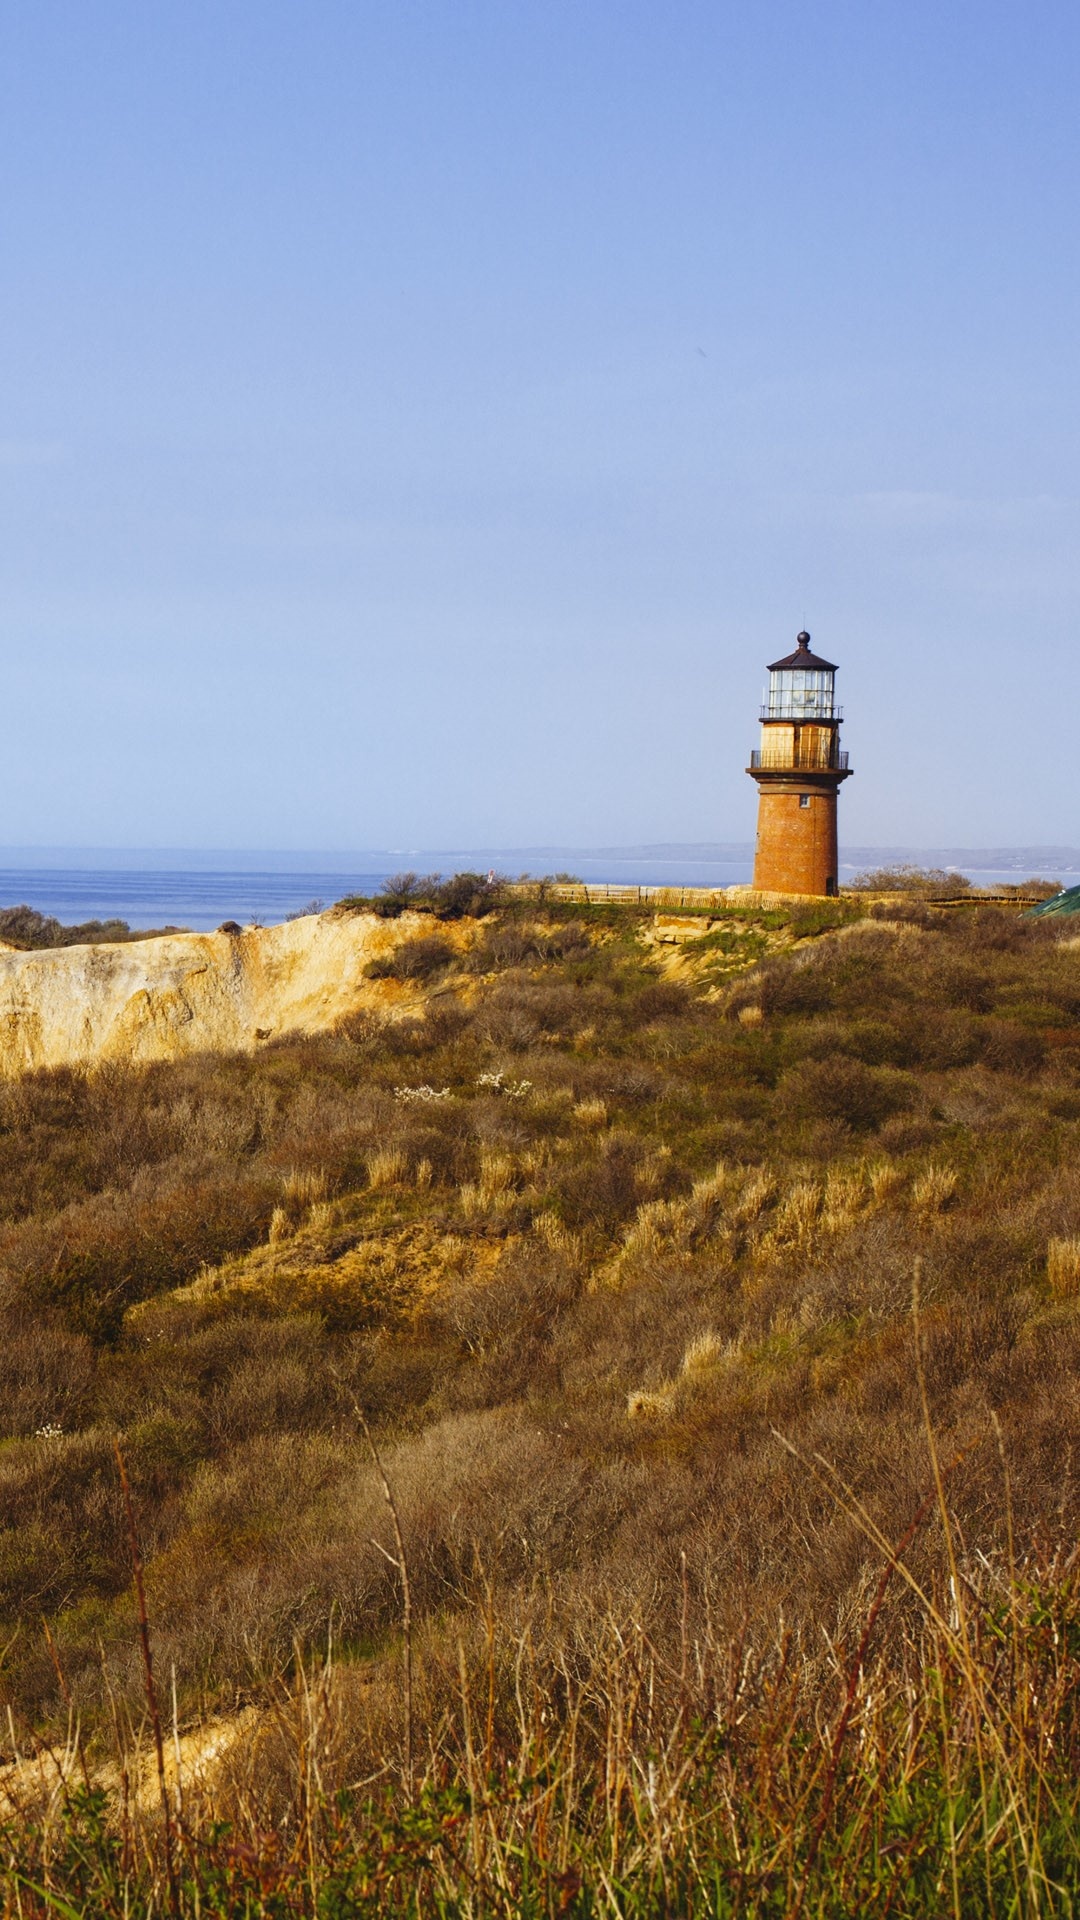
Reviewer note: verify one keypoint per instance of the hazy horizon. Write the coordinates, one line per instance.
(331, 859)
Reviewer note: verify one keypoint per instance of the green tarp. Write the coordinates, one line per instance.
(1067, 902)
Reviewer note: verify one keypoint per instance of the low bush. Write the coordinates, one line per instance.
(398, 893)
(929, 883)
(27, 928)
(472, 894)
(844, 1089)
(517, 941)
(419, 959)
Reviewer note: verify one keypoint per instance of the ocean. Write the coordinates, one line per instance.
(163, 898)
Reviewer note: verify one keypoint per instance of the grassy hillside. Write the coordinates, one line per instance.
(712, 1303)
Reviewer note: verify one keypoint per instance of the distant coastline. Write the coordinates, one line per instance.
(536, 859)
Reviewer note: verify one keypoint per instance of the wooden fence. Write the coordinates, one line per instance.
(715, 899)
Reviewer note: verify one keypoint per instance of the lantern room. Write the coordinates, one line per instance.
(801, 686)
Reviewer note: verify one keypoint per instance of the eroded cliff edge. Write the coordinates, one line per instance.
(185, 993)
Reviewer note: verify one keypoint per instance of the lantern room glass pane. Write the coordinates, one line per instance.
(801, 693)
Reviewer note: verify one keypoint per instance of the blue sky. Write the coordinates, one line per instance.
(419, 423)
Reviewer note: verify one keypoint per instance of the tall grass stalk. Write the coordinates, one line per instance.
(631, 1778)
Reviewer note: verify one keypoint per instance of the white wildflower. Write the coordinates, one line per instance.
(498, 1083)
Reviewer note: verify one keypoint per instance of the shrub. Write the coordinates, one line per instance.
(45, 1374)
(1013, 1049)
(515, 1010)
(99, 1257)
(26, 927)
(844, 1089)
(910, 911)
(474, 894)
(930, 883)
(401, 891)
(661, 1000)
(418, 959)
(1033, 889)
(602, 1191)
(824, 916)
(515, 942)
(952, 980)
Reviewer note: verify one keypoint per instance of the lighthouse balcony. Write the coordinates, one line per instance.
(798, 760)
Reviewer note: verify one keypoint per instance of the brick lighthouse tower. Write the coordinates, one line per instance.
(798, 769)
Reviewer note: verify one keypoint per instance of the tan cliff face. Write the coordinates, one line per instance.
(187, 993)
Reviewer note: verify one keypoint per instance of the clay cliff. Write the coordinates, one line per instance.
(185, 993)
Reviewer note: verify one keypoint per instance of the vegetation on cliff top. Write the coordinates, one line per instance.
(943, 883)
(732, 1590)
(27, 928)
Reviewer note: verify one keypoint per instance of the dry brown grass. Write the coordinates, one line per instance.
(1063, 1267)
(303, 1189)
(388, 1167)
(705, 1351)
(933, 1189)
(281, 1226)
(823, 1775)
(575, 1338)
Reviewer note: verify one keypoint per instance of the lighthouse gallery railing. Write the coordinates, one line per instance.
(799, 761)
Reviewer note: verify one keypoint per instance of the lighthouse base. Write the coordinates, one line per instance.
(796, 839)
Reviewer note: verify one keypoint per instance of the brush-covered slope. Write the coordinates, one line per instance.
(612, 1239)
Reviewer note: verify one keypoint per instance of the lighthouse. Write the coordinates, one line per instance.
(798, 769)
